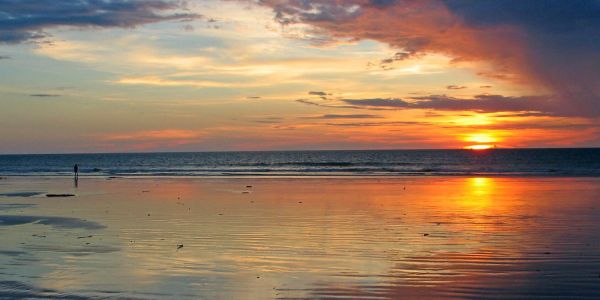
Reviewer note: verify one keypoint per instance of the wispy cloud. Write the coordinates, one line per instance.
(165, 134)
(27, 20)
(343, 116)
(44, 95)
(538, 105)
(169, 82)
(479, 103)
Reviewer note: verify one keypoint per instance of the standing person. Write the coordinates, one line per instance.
(76, 170)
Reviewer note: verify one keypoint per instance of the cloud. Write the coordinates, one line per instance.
(269, 120)
(329, 104)
(456, 87)
(526, 105)
(372, 124)
(479, 103)
(27, 20)
(550, 46)
(151, 135)
(4, 57)
(378, 102)
(317, 93)
(171, 82)
(44, 95)
(343, 116)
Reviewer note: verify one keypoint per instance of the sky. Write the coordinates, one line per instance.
(79, 76)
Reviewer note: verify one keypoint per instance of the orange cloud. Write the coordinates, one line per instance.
(166, 134)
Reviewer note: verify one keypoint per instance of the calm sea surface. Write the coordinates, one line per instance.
(536, 162)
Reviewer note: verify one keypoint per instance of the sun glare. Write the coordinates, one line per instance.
(480, 138)
(479, 147)
(480, 141)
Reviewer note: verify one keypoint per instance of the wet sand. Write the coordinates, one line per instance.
(317, 238)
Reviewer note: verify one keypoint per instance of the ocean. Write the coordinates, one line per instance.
(492, 162)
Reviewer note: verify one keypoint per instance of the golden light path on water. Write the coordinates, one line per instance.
(261, 238)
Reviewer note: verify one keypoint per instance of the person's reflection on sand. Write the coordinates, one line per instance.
(76, 175)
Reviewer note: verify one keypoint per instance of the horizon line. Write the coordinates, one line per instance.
(301, 150)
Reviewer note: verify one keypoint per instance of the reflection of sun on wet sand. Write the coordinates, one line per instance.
(434, 237)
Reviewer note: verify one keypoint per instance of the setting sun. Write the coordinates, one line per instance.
(482, 141)
(481, 138)
(480, 147)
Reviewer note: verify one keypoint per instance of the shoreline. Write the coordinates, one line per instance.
(316, 176)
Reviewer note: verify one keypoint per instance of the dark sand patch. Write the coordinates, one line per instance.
(75, 250)
(21, 290)
(12, 253)
(8, 206)
(11, 289)
(56, 222)
(20, 194)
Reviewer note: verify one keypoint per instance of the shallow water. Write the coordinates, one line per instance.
(370, 238)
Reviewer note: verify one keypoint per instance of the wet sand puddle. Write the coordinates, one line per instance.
(466, 238)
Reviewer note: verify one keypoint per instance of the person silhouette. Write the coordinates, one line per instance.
(76, 170)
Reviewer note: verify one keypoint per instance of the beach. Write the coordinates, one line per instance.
(300, 238)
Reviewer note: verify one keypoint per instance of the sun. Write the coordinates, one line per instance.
(480, 147)
(480, 138)
(481, 141)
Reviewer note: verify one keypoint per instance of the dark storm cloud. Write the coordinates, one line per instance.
(552, 44)
(538, 16)
(26, 20)
(562, 43)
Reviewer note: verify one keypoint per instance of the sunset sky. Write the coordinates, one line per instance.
(210, 75)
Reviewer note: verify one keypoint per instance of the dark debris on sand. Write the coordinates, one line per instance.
(60, 195)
